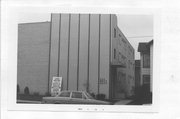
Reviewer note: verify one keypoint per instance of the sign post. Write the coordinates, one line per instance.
(56, 86)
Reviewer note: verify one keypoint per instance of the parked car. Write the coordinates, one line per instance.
(73, 97)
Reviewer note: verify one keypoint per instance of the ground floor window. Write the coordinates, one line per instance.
(146, 79)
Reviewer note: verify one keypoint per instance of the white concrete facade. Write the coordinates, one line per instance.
(87, 55)
(80, 49)
(123, 61)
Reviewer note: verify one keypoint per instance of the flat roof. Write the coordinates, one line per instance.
(144, 46)
(34, 23)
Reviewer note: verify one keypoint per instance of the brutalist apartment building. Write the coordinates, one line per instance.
(88, 51)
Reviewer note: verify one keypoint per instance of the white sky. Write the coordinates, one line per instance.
(136, 26)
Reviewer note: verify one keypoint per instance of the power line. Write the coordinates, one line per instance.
(139, 36)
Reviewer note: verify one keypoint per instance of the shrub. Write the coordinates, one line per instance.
(143, 94)
(100, 96)
(47, 94)
(36, 94)
(93, 95)
(26, 91)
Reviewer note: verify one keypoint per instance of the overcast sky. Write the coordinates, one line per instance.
(137, 28)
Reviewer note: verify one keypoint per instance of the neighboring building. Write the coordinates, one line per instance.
(137, 73)
(151, 64)
(146, 56)
(87, 50)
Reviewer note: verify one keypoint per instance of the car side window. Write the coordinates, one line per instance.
(77, 95)
(65, 94)
(83, 96)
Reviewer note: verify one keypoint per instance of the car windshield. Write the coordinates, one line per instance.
(89, 96)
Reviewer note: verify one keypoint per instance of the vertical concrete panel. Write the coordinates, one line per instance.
(54, 47)
(73, 52)
(83, 51)
(104, 54)
(93, 53)
(64, 48)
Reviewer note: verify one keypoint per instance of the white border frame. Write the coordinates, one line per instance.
(9, 59)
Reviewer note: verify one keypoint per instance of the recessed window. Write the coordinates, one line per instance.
(114, 33)
(146, 79)
(114, 53)
(146, 60)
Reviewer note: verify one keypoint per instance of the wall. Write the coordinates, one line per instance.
(122, 57)
(80, 51)
(144, 71)
(94, 53)
(33, 56)
(54, 47)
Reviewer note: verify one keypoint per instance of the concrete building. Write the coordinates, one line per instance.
(137, 73)
(146, 58)
(87, 50)
(33, 56)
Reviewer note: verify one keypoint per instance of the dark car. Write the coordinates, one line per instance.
(73, 97)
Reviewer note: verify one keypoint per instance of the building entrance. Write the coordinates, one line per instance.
(117, 84)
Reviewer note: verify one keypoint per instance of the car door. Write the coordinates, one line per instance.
(64, 98)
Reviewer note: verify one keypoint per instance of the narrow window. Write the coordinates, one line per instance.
(114, 33)
(146, 79)
(114, 53)
(146, 60)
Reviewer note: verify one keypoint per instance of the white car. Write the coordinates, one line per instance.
(73, 97)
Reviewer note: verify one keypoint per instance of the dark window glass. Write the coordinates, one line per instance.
(146, 79)
(83, 96)
(146, 60)
(114, 53)
(65, 94)
(76, 95)
(114, 33)
(123, 41)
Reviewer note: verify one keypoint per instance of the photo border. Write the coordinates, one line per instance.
(9, 38)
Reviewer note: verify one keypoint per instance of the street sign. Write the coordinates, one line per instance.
(56, 86)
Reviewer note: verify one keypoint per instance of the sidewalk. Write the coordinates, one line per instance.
(122, 102)
(28, 101)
